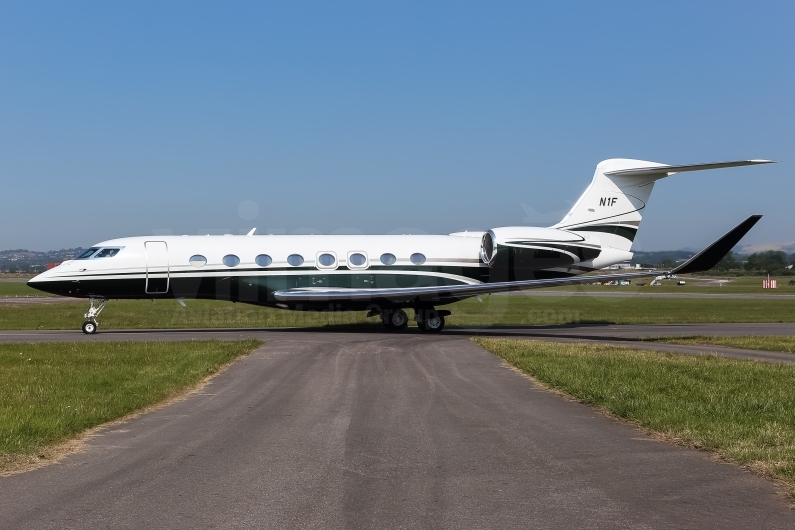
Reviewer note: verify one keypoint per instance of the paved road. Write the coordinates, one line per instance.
(28, 300)
(624, 335)
(370, 430)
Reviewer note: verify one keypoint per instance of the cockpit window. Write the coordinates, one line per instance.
(88, 253)
(107, 253)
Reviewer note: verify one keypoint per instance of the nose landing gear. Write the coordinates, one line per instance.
(95, 308)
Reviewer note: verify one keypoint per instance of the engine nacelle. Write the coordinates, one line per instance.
(516, 253)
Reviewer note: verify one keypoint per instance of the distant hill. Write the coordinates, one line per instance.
(28, 261)
(788, 248)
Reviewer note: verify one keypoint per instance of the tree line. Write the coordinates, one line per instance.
(773, 262)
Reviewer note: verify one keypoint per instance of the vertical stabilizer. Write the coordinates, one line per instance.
(612, 206)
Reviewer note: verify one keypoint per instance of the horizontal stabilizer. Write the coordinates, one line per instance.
(710, 256)
(664, 171)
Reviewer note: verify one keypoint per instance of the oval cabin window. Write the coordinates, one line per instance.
(230, 260)
(263, 260)
(198, 260)
(296, 260)
(388, 259)
(326, 260)
(417, 258)
(357, 259)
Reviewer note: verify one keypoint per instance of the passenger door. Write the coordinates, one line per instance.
(156, 267)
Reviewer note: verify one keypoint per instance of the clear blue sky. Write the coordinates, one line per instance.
(134, 118)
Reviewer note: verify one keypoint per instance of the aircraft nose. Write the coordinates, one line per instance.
(39, 282)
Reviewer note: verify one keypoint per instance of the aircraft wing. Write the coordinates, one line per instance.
(447, 292)
(703, 261)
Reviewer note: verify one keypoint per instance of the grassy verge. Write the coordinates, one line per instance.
(493, 311)
(19, 288)
(741, 410)
(51, 392)
(771, 343)
(529, 310)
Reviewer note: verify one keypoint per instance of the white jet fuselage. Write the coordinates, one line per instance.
(385, 274)
(251, 268)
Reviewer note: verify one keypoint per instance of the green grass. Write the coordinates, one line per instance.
(741, 410)
(51, 392)
(18, 288)
(529, 310)
(493, 311)
(768, 343)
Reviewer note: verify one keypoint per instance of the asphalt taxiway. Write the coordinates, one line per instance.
(624, 335)
(321, 429)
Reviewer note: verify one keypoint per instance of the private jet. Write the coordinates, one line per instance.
(387, 275)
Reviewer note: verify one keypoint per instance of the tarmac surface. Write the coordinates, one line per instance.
(29, 300)
(623, 335)
(321, 429)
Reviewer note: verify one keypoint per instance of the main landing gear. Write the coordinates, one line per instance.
(428, 319)
(394, 318)
(96, 307)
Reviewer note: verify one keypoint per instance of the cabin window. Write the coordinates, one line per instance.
(230, 260)
(88, 253)
(417, 258)
(198, 260)
(107, 252)
(296, 260)
(326, 260)
(388, 259)
(263, 260)
(357, 259)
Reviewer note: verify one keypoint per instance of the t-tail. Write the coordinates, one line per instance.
(612, 206)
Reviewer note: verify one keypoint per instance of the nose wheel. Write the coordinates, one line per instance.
(95, 308)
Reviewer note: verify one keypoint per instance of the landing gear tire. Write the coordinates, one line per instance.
(430, 321)
(89, 328)
(396, 319)
(399, 319)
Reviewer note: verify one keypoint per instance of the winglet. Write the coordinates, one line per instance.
(710, 256)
